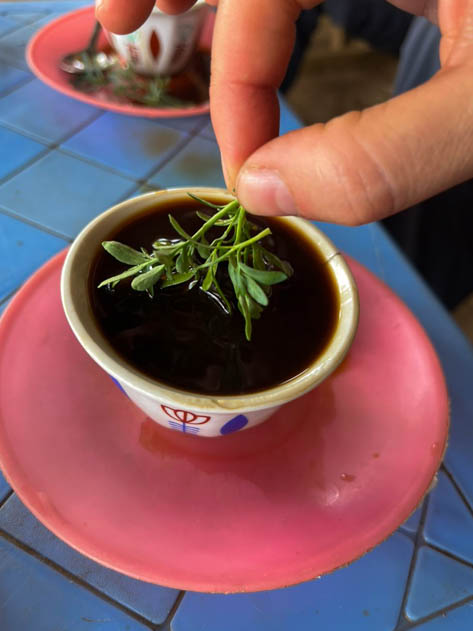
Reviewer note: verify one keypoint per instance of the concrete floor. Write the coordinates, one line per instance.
(338, 75)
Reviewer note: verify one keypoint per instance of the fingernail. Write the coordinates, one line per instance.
(263, 192)
(98, 9)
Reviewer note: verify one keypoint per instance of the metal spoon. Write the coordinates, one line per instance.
(88, 59)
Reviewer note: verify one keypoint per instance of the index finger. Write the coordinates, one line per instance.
(251, 47)
(122, 16)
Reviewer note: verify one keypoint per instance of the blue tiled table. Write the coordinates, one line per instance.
(422, 576)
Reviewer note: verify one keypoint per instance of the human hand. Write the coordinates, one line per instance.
(359, 167)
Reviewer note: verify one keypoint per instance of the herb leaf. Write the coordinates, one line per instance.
(124, 253)
(256, 292)
(182, 262)
(144, 282)
(132, 271)
(267, 278)
(204, 201)
(274, 260)
(177, 279)
(177, 227)
(208, 280)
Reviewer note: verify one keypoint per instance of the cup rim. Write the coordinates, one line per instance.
(78, 311)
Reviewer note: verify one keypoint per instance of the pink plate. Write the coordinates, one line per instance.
(327, 478)
(71, 32)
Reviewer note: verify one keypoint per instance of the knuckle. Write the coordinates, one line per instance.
(366, 190)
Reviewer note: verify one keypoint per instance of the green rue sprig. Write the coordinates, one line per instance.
(126, 84)
(193, 259)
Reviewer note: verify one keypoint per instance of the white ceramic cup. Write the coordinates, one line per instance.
(163, 45)
(177, 409)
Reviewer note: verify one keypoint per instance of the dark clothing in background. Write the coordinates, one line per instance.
(437, 234)
(383, 25)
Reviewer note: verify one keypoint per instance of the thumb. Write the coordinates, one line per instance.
(364, 166)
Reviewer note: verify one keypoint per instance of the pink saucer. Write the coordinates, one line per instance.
(327, 478)
(71, 32)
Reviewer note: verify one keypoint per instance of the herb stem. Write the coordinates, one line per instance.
(217, 242)
(221, 213)
(241, 219)
(236, 248)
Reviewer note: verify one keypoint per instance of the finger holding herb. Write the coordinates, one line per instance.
(226, 238)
